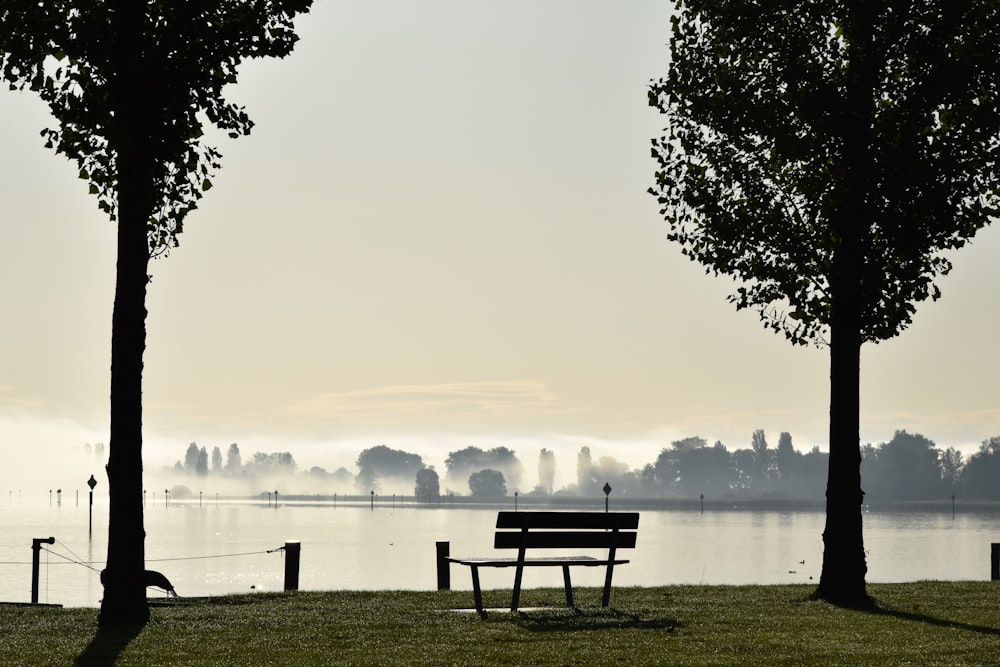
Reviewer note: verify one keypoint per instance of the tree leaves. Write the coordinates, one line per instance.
(753, 164)
(191, 52)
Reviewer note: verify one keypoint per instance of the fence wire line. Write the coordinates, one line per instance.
(90, 564)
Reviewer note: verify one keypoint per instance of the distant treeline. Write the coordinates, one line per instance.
(908, 467)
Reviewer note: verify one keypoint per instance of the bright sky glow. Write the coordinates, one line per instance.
(438, 236)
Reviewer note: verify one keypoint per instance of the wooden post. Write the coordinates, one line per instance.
(293, 552)
(36, 547)
(443, 566)
(995, 561)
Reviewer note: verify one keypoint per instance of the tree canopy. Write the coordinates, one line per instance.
(755, 163)
(380, 462)
(487, 483)
(827, 156)
(65, 51)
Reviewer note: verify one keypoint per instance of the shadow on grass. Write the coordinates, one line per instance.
(584, 620)
(107, 645)
(930, 620)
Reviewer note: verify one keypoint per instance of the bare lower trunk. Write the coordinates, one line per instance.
(843, 577)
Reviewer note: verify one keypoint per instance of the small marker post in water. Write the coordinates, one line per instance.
(92, 483)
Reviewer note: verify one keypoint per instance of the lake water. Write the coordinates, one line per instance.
(212, 548)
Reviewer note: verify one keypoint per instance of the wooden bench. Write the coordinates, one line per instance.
(524, 531)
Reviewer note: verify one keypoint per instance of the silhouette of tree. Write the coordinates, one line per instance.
(487, 484)
(270, 464)
(982, 472)
(191, 458)
(234, 462)
(201, 466)
(785, 460)
(624, 482)
(547, 470)
(428, 486)
(951, 469)
(763, 461)
(586, 479)
(216, 460)
(131, 85)
(380, 462)
(825, 155)
(667, 466)
(811, 474)
(704, 470)
(905, 468)
(462, 463)
(745, 470)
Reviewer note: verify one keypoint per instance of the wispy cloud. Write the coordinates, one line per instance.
(457, 399)
(9, 398)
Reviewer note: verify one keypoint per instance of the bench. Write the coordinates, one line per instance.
(524, 531)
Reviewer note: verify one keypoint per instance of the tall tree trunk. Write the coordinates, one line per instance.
(843, 577)
(124, 578)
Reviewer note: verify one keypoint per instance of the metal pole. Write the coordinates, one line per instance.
(36, 547)
(90, 512)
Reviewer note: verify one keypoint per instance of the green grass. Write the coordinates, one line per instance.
(924, 623)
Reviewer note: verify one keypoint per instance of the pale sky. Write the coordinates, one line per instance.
(438, 236)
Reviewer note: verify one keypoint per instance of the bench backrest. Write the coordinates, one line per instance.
(569, 530)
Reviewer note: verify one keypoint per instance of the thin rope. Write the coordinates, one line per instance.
(69, 560)
(90, 564)
(247, 553)
(78, 561)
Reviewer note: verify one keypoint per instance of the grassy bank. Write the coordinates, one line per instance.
(926, 623)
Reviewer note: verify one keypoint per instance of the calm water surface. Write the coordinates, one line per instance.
(215, 548)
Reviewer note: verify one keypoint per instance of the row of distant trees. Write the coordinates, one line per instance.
(907, 467)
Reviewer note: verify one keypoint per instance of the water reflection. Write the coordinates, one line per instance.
(216, 548)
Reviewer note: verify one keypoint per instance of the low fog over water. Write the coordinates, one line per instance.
(59, 455)
(62, 455)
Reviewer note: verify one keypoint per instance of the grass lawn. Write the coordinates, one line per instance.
(923, 623)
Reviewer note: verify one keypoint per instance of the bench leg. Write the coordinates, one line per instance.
(606, 600)
(516, 596)
(477, 591)
(569, 586)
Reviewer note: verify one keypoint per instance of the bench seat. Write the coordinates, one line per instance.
(526, 531)
(535, 561)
